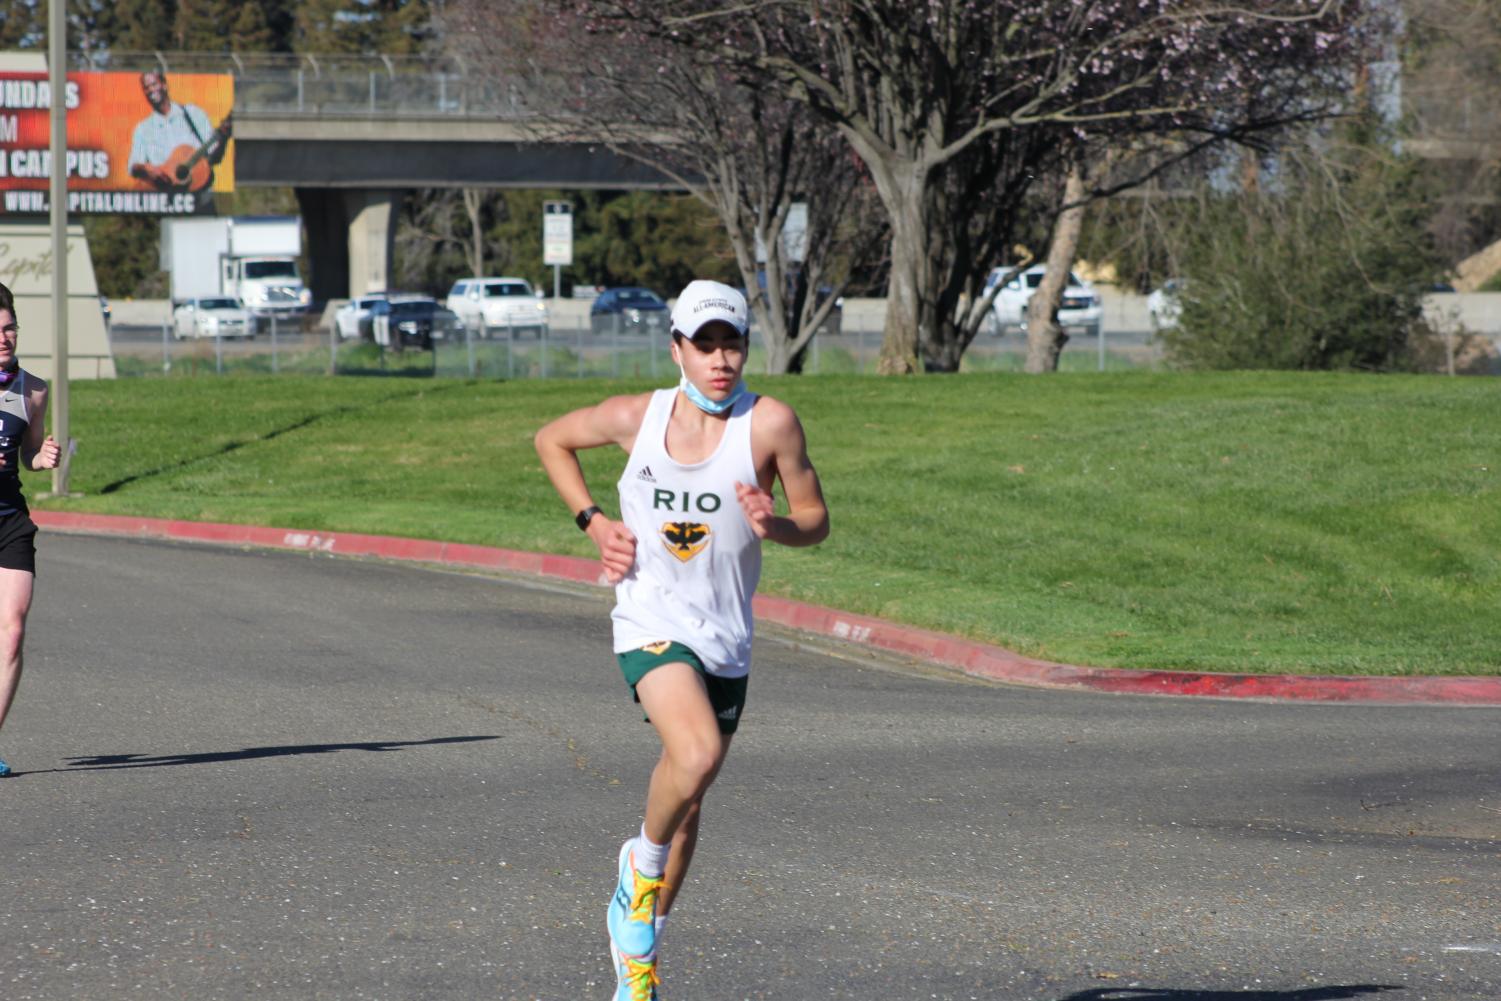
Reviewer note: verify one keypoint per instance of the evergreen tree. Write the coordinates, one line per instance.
(281, 19)
(142, 25)
(252, 30)
(204, 25)
(124, 249)
(21, 27)
(403, 26)
(1325, 270)
(394, 27)
(334, 26)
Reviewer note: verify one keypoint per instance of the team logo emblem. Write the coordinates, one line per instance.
(657, 649)
(685, 539)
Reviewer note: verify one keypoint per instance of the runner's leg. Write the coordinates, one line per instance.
(15, 602)
(693, 749)
(683, 844)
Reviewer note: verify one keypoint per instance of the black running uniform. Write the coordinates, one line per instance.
(17, 531)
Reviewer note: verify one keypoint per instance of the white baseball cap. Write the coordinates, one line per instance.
(703, 301)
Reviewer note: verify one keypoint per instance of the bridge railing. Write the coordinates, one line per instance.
(337, 86)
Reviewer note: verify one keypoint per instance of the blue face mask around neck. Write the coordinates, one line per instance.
(705, 404)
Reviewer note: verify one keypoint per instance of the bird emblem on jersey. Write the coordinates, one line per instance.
(685, 539)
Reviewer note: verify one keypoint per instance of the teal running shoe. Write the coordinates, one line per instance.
(4, 769)
(635, 979)
(632, 915)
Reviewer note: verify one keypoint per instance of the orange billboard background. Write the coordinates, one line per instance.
(104, 111)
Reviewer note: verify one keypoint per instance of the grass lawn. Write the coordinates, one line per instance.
(1245, 522)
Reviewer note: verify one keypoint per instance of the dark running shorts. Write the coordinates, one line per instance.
(18, 542)
(726, 695)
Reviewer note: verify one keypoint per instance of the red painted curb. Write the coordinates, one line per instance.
(977, 659)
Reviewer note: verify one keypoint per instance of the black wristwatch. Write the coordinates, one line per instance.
(585, 516)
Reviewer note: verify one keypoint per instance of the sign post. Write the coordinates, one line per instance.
(557, 240)
(57, 72)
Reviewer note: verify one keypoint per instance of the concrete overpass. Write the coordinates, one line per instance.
(351, 135)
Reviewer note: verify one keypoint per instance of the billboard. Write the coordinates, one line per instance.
(138, 144)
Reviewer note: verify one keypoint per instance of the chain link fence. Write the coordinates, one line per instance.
(569, 348)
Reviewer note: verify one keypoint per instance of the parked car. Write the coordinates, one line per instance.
(628, 310)
(1080, 308)
(410, 321)
(353, 319)
(492, 304)
(1165, 305)
(833, 323)
(212, 317)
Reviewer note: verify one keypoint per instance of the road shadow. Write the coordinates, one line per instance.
(113, 762)
(1332, 993)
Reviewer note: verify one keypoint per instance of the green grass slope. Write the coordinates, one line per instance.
(1240, 522)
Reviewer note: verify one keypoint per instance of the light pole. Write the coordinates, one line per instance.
(57, 72)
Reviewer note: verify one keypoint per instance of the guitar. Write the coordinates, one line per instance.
(187, 168)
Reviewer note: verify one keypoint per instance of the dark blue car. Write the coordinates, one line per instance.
(628, 310)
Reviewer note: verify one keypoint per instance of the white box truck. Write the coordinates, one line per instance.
(252, 258)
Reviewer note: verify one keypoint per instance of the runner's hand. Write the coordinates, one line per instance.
(46, 457)
(617, 546)
(758, 507)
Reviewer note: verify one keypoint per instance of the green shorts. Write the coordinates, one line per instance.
(726, 695)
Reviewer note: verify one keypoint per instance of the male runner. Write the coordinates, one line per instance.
(695, 502)
(23, 406)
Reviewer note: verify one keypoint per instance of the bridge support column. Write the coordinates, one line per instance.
(372, 237)
(351, 234)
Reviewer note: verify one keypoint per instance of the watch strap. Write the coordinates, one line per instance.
(583, 518)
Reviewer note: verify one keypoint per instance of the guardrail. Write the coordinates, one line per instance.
(337, 86)
(409, 86)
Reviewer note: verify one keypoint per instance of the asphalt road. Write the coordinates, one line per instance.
(250, 775)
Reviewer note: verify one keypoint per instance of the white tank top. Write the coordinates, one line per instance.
(697, 560)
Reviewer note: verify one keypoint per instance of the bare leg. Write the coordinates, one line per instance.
(693, 749)
(683, 844)
(15, 602)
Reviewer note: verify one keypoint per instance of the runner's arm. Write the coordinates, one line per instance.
(38, 450)
(612, 422)
(807, 520)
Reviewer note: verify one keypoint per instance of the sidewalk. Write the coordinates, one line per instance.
(972, 658)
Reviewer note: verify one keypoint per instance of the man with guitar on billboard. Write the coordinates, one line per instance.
(175, 148)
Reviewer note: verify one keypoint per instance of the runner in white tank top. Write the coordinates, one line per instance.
(685, 556)
(697, 559)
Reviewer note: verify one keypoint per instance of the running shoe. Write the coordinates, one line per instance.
(635, 979)
(4, 769)
(633, 910)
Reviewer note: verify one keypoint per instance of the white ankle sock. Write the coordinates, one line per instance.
(650, 857)
(661, 923)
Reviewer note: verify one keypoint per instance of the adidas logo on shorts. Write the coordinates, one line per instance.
(729, 713)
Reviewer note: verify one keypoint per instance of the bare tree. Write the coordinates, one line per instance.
(473, 201)
(1045, 338)
(917, 88)
(759, 159)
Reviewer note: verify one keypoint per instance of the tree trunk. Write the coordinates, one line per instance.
(476, 255)
(910, 267)
(778, 356)
(1045, 338)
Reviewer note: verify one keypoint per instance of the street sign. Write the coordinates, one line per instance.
(557, 233)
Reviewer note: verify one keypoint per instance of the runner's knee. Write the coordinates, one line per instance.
(12, 629)
(696, 765)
